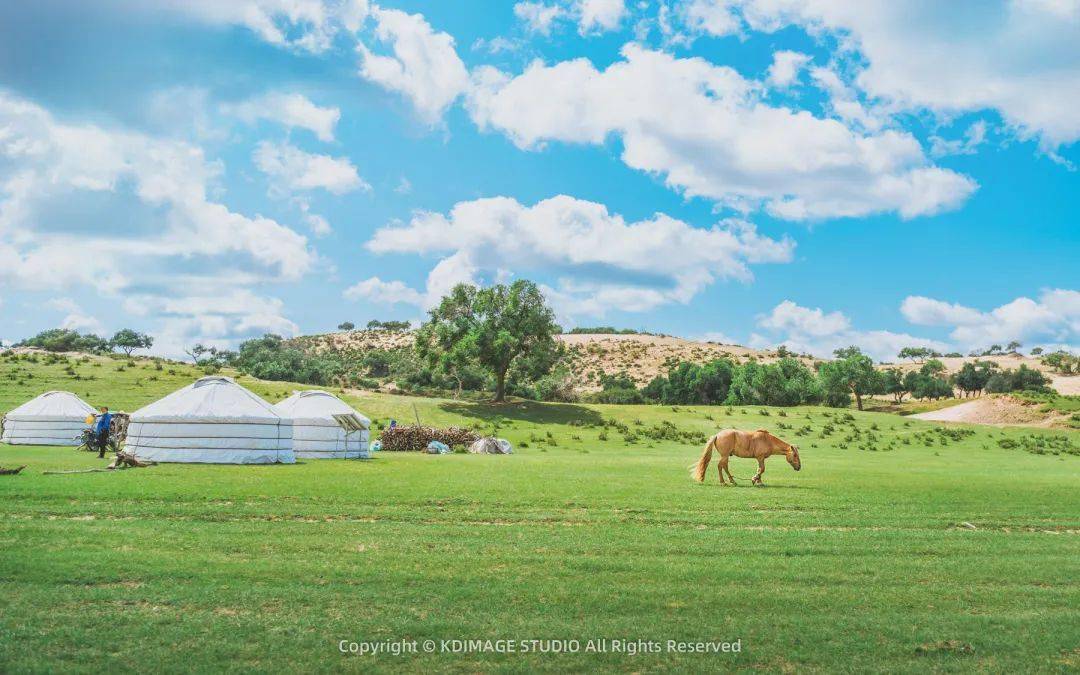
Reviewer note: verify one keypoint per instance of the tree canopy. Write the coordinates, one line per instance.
(492, 326)
(128, 340)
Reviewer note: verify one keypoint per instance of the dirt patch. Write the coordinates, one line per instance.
(1001, 411)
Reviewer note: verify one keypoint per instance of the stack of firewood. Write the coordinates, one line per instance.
(416, 438)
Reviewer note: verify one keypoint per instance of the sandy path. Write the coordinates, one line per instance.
(996, 410)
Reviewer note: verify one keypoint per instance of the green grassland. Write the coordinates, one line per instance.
(593, 529)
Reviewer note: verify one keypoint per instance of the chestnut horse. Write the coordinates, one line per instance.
(758, 444)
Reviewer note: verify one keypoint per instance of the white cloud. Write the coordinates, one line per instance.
(601, 260)
(1053, 318)
(304, 25)
(816, 332)
(384, 292)
(538, 16)
(1021, 59)
(45, 160)
(974, 136)
(291, 169)
(424, 67)
(706, 131)
(290, 110)
(786, 67)
(600, 16)
(789, 317)
(82, 323)
(713, 17)
(216, 314)
(165, 185)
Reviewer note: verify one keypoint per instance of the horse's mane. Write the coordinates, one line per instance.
(770, 438)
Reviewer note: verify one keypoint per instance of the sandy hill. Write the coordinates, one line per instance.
(643, 357)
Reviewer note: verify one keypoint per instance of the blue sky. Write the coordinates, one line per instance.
(809, 172)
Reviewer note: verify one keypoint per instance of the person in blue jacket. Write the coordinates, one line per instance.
(101, 430)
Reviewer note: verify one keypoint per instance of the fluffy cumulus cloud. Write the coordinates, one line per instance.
(291, 169)
(165, 183)
(292, 110)
(786, 67)
(1052, 319)
(424, 67)
(1020, 58)
(712, 17)
(814, 331)
(593, 17)
(600, 16)
(789, 317)
(538, 17)
(705, 129)
(601, 261)
(303, 25)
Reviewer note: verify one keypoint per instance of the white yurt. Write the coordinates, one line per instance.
(54, 418)
(213, 420)
(325, 427)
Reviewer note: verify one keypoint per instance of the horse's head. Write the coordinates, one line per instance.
(793, 457)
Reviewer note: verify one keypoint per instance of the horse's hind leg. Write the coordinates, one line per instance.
(721, 467)
(725, 468)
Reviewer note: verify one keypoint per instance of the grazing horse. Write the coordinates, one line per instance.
(758, 444)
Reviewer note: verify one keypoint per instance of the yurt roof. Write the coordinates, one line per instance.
(52, 405)
(316, 407)
(209, 399)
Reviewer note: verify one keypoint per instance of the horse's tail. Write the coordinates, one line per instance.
(698, 469)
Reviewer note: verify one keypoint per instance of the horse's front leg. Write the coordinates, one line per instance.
(760, 471)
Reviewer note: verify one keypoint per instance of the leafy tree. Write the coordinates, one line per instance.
(1013, 347)
(271, 358)
(852, 371)
(67, 340)
(784, 383)
(916, 354)
(932, 368)
(399, 326)
(1021, 379)
(197, 352)
(346, 325)
(1062, 362)
(1036, 351)
(893, 383)
(492, 326)
(129, 340)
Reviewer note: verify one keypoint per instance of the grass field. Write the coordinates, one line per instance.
(859, 562)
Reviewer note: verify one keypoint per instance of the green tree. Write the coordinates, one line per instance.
(852, 371)
(1036, 351)
(129, 340)
(271, 358)
(346, 325)
(67, 340)
(1013, 347)
(491, 326)
(916, 354)
(893, 383)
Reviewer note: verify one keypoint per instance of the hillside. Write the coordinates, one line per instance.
(643, 357)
